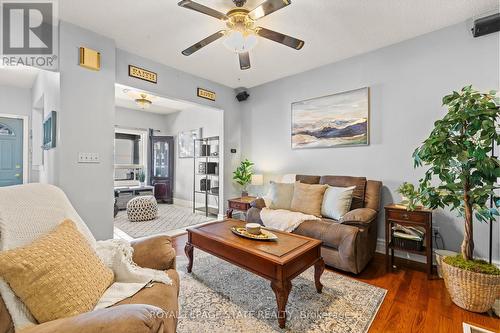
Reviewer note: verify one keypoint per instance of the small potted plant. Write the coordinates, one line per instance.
(409, 196)
(141, 176)
(462, 175)
(243, 176)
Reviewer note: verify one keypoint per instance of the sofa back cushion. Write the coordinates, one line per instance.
(305, 179)
(372, 194)
(336, 202)
(358, 195)
(280, 195)
(308, 198)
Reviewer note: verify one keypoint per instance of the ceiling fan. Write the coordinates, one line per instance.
(241, 33)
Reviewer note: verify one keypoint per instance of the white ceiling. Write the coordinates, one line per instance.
(18, 76)
(124, 97)
(332, 30)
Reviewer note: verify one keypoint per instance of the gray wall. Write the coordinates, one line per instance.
(211, 122)
(15, 101)
(87, 119)
(86, 123)
(45, 90)
(407, 82)
(139, 119)
(179, 85)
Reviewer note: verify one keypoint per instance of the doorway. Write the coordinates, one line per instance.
(13, 150)
(175, 180)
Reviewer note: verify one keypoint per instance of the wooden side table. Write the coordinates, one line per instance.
(239, 204)
(395, 214)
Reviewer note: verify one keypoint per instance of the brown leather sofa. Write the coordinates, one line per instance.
(152, 310)
(348, 244)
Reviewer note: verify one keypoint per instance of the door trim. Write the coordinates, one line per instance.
(25, 120)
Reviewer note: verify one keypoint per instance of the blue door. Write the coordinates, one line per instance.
(11, 151)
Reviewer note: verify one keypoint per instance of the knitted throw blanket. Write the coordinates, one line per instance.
(282, 219)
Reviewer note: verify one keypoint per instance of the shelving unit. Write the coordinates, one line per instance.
(206, 174)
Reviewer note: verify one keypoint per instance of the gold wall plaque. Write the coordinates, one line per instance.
(210, 95)
(141, 73)
(90, 59)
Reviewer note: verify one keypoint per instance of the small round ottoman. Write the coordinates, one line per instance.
(143, 208)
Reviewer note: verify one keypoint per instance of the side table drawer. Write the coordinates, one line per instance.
(399, 215)
(237, 205)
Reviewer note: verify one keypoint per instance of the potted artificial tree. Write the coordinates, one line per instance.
(462, 175)
(243, 176)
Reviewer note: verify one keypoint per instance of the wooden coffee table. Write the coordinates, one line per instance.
(278, 261)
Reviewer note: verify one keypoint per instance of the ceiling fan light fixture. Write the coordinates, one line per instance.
(239, 42)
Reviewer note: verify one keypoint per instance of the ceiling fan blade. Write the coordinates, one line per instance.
(268, 7)
(280, 38)
(244, 60)
(202, 43)
(202, 9)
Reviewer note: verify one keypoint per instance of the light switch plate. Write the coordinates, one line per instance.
(88, 158)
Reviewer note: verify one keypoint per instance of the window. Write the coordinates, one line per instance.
(6, 130)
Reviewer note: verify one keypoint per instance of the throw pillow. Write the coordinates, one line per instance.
(58, 275)
(280, 195)
(308, 198)
(337, 201)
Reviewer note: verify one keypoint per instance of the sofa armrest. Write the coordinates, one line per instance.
(359, 216)
(154, 252)
(130, 318)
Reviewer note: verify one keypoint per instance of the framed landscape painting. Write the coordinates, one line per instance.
(332, 121)
(186, 142)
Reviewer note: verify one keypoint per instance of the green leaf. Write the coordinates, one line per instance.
(457, 155)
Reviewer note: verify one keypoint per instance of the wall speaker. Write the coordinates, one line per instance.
(242, 96)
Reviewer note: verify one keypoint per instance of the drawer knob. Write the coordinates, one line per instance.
(405, 216)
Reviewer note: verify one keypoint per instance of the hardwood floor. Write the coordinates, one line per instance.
(413, 303)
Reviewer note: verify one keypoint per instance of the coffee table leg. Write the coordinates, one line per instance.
(188, 249)
(281, 290)
(319, 267)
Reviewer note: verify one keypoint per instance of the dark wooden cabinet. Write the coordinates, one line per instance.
(162, 167)
(395, 214)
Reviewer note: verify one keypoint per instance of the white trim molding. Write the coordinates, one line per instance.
(413, 257)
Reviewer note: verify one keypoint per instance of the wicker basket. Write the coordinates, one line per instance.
(471, 291)
(408, 244)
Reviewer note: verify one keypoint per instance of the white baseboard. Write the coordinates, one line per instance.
(414, 257)
(189, 203)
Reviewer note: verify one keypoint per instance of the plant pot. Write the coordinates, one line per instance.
(440, 255)
(244, 194)
(471, 291)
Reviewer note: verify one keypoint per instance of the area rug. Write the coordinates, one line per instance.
(220, 297)
(170, 219)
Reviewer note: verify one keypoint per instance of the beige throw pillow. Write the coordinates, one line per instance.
(280, 195)
(308, 198)
(337, 201)
(58, 275)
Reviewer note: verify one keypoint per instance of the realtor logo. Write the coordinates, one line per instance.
(28, 33)
(27, 28)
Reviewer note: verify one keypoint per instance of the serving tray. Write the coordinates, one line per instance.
(264, 234)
